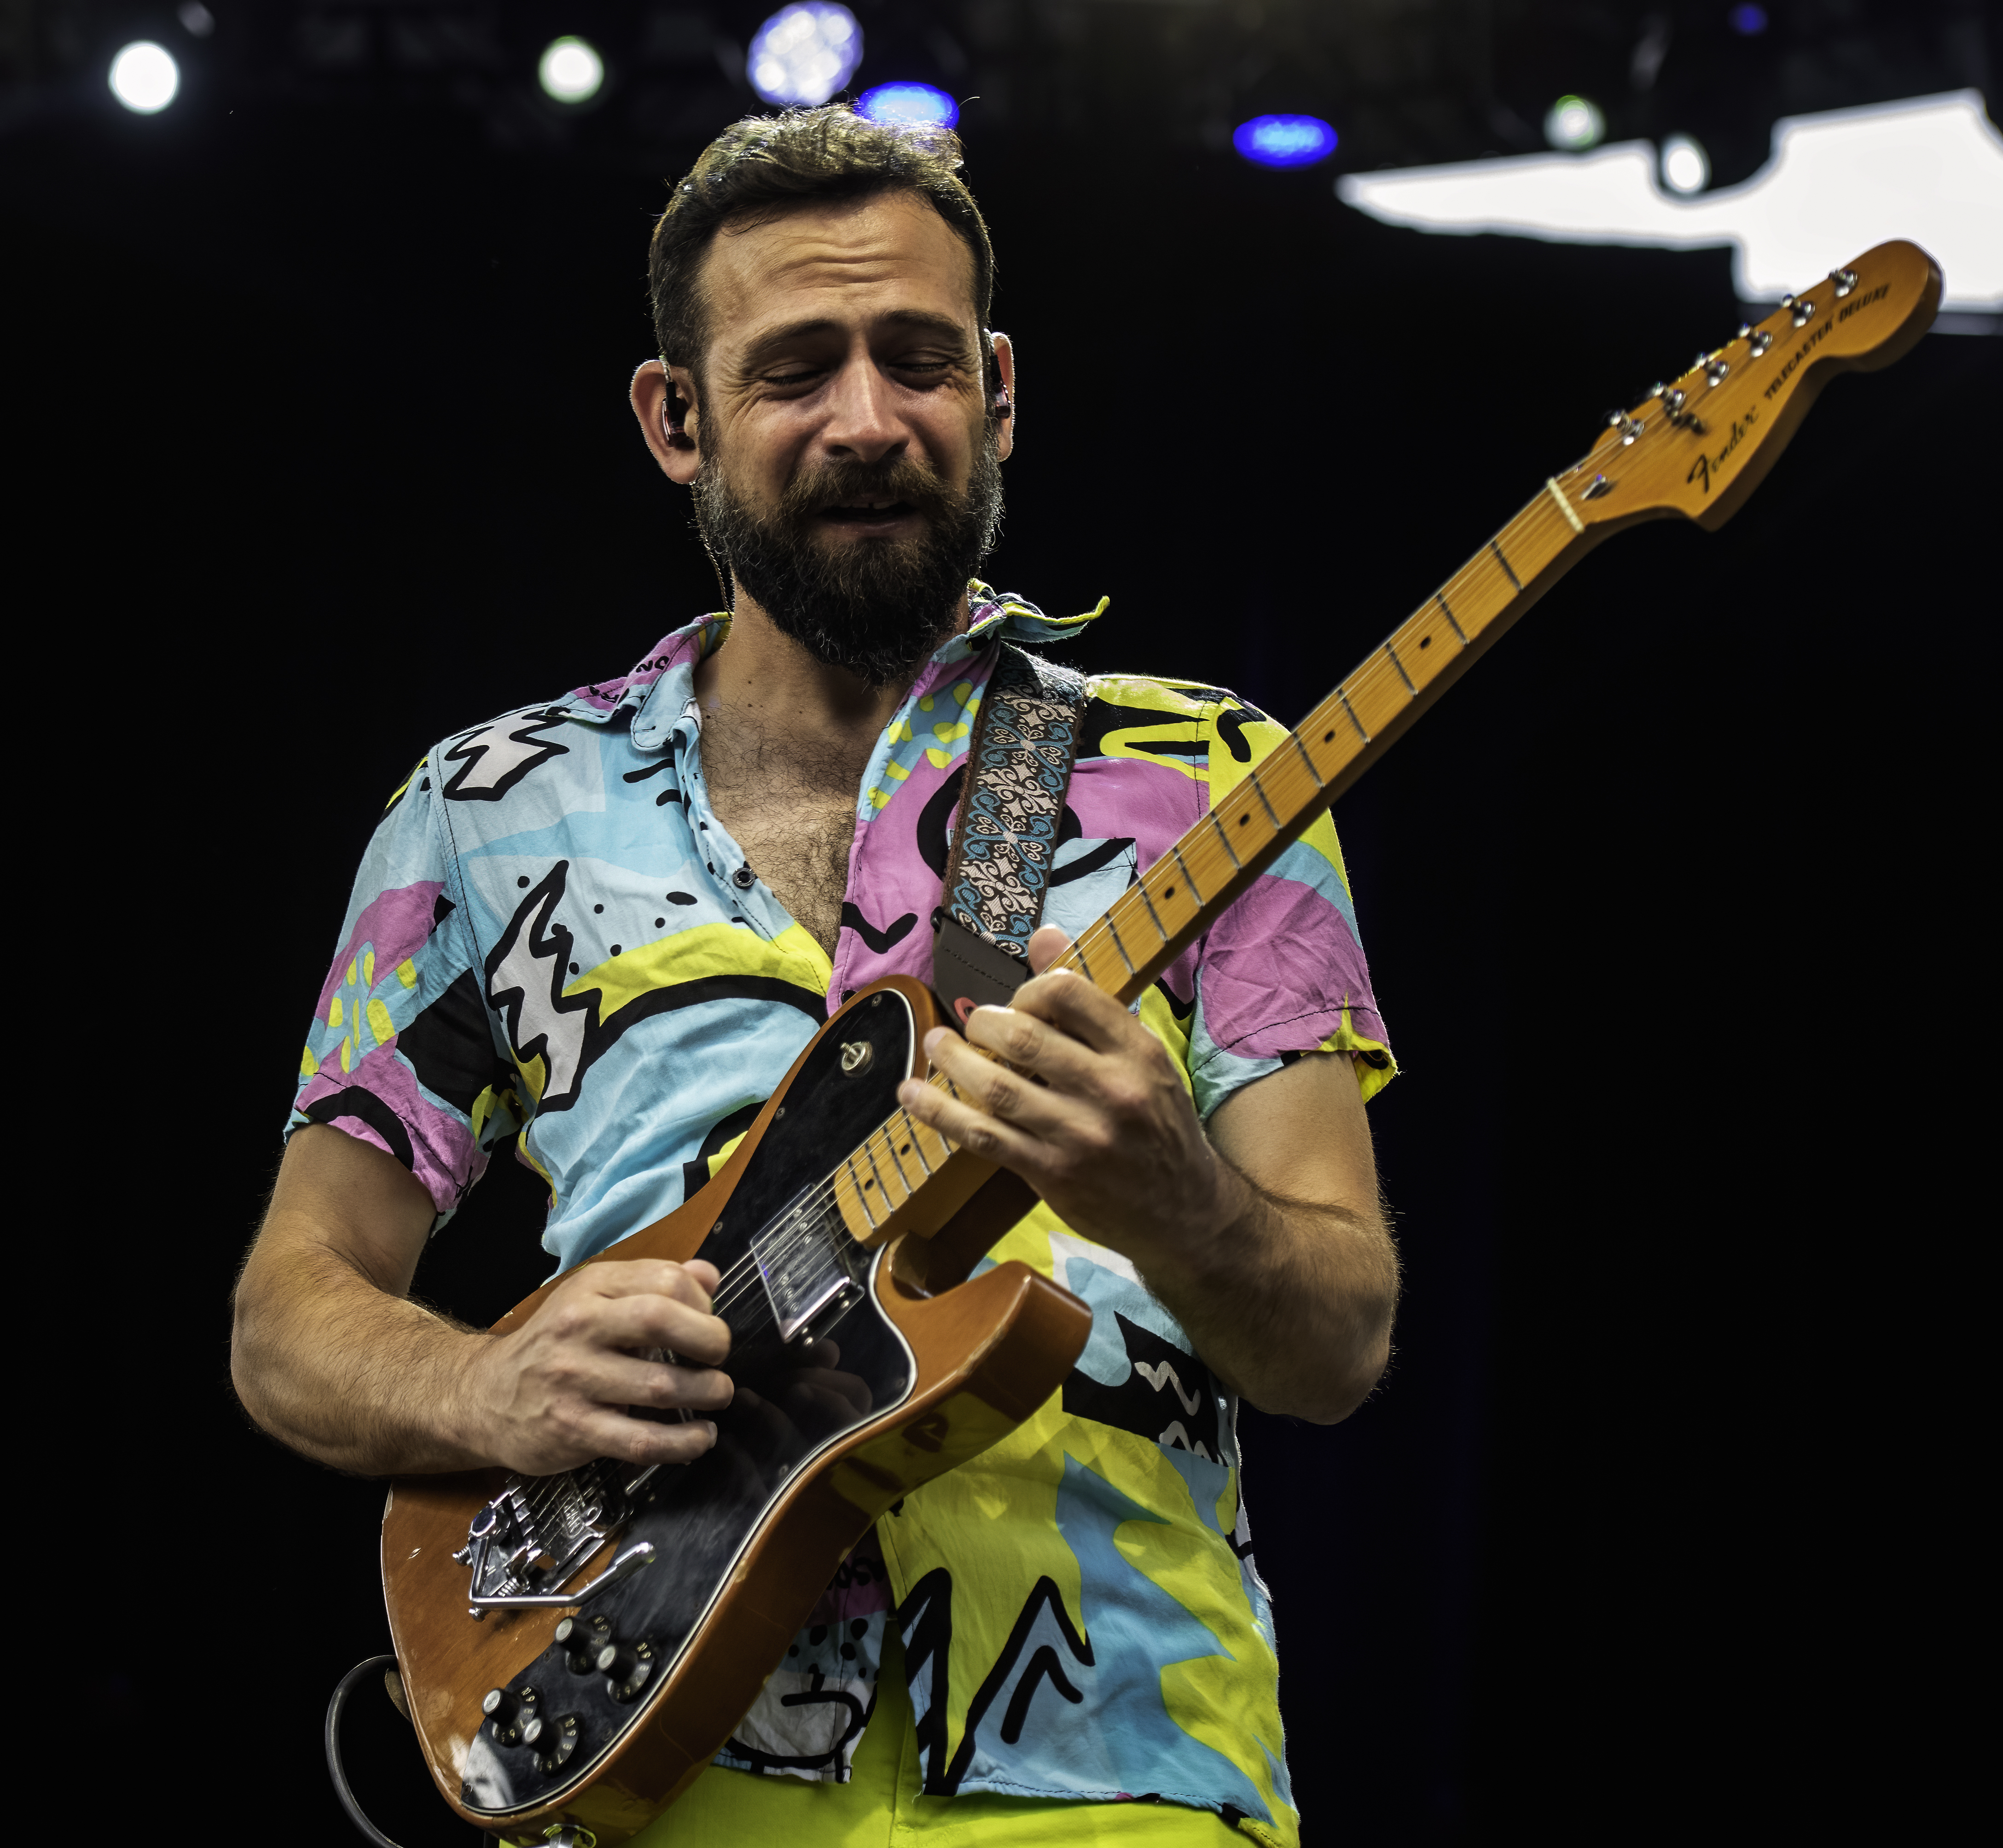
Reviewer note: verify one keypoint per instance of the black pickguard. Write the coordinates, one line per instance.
(703, 1515)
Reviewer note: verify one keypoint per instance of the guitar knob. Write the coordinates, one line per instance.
(626, 1668)
(581, 1638)
(500, 1705)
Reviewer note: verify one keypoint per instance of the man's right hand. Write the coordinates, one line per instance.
(554, 1394)
(332, 1357)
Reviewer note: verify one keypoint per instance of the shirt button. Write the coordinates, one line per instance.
(744, 879)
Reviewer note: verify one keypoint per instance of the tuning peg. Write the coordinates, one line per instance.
(1715, 368)
(1757, 340)
(1629, 427)
(1845, 281)
(1800, 306)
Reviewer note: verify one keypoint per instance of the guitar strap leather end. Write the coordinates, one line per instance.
(968, 971)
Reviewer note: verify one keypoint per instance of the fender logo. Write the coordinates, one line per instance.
(1701, 468)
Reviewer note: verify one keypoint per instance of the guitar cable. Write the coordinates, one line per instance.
(356, 1814)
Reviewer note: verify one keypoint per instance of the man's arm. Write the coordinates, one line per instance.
(330, 1356)
(1264, 1238)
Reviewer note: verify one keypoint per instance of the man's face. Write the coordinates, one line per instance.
(850, 469)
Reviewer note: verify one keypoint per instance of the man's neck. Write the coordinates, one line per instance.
(799, 718)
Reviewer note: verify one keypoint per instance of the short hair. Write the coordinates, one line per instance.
(762, 166)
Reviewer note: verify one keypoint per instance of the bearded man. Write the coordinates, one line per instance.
(608, 924)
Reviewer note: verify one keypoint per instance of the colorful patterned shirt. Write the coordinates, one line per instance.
(552, 933)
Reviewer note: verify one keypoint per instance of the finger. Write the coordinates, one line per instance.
(650, 1276)
(665, 1387)
(1046, 943)
(602, 1431)
(648, 1321)
(999, 1092)
(972, 1129)
(1033, 1046)
(1067, 1000)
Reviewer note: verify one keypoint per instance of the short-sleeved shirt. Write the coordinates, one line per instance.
(553, 933)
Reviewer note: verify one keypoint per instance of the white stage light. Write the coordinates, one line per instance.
(570, 70)
(1686, 167)
(1575, 124)
(802, 54)
(144, 78)
(1930, 169)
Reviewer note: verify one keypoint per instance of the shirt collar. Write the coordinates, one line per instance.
(659, 690)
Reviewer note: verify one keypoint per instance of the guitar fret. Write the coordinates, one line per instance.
(917, 1141)
(1294, 739)
(1183, 866)
(1504, 563)
(1351, 710)
(1260, 788)
(1402, 674)
(1218, 827)
(876, 1173)
(1154, 917)
(861, 1199)
(1447, 608)
(1117, 944)
(1077, 950)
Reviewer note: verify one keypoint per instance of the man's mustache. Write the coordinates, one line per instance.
(861, 483)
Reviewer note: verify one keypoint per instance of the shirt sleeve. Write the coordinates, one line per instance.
(1282, 972)
(402, 1051)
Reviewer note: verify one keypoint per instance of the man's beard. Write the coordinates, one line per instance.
(875, 607)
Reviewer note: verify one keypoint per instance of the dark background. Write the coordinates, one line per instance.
(320, 451)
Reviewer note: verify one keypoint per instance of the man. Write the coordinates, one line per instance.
(612, 923)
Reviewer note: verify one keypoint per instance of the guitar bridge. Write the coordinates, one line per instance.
(533, 1538)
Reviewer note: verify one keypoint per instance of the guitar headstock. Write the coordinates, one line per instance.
(1698, 444)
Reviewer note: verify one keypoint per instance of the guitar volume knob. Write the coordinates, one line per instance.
(581, 1638)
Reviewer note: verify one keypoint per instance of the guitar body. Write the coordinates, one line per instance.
(930, 1371)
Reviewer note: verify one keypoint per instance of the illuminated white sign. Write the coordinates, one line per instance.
(1930, 169)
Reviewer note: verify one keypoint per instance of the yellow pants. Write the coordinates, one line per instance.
(880, 1806)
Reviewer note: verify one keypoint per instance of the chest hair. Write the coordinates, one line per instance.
(794, 814)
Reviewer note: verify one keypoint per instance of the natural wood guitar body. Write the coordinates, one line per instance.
(984, 1355)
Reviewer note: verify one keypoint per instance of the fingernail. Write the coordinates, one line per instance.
(709, 1424)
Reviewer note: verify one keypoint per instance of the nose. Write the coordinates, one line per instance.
(863, 422)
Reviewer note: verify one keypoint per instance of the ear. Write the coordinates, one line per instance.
(1004, 363)
(663, 399)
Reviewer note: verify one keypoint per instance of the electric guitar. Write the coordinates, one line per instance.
(576, 1648)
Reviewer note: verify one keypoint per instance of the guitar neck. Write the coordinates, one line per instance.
(906, 1176)
(1184, 891)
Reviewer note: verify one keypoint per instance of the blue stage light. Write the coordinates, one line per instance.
(1284, 140)
(802, 54)
(1747, 20)
(915, 105)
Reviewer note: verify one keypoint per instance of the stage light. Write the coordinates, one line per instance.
(1748, 21)
(144, 78)
(916, 105)
(1686, 167)
(1284, 140)
(803, 54)
(570, 70)
(1930, 169)
(1574, 124)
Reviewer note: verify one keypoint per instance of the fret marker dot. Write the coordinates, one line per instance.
(1425, 641)
(1328, 737)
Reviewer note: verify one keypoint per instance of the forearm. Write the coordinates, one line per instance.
(1290, 1304)
(340, 1369)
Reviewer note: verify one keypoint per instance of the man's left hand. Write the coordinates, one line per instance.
(1095, 1115)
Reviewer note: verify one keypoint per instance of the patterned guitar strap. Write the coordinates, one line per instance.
(1019, 765)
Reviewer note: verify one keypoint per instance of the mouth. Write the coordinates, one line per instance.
(864, 517)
